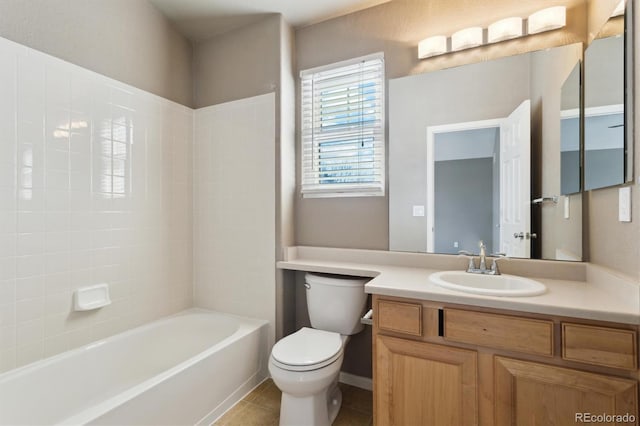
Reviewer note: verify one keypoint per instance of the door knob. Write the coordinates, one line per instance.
(533, 235)
(518, 235)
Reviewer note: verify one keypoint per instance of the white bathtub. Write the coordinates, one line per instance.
(181, 370)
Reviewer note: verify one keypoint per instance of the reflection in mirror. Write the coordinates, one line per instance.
(604, 113)
(464, 164)
(570, 133)
(460, 150)
(606, 162)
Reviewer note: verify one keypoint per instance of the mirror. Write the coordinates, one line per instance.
(475, 154)
(607, 127)
(570, 130)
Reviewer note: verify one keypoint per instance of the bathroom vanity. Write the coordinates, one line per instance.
(444, 357)
(439, 363)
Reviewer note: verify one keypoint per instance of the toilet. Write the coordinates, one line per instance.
(305, 365)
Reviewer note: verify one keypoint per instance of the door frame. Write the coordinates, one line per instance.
(432, 131)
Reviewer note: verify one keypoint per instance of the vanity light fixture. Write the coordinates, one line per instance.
(466, 39)
(543, 20)
(547, 19)
(504, 29)
(432, 46)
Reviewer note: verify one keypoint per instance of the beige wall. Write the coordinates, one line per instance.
(127, 40)
(238, 64)
(395, 28)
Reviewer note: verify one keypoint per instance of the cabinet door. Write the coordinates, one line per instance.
(528, 393)
(419, 383)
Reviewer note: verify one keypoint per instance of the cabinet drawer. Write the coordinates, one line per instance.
(610, 347)
(499, 331)
(400, 317)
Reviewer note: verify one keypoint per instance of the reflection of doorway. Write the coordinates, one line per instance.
(463, 187)
(481, 172)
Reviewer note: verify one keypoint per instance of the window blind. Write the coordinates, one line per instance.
(343, 128)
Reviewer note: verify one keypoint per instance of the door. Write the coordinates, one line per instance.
(419, 383)
(515, 182)
(532, 394)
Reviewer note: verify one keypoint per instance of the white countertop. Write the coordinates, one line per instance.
(602, 296)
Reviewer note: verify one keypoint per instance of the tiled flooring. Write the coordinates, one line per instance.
(262, 408)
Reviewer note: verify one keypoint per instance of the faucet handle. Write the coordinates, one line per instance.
(494, 267)
(472, 263)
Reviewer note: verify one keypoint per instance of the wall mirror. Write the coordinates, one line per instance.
(475, 154)
(608, 141)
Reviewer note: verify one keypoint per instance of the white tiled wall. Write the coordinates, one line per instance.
(234, 207)
(95, 187)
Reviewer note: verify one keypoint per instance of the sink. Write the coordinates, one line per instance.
(488, 285)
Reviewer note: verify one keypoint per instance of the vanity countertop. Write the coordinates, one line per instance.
(578, 290)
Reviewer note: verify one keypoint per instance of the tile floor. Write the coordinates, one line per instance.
(262, 408)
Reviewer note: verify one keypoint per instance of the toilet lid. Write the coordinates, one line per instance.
(307, 347)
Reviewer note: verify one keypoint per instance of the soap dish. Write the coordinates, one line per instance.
(91, 297)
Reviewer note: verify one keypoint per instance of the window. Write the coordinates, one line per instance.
(343, 128)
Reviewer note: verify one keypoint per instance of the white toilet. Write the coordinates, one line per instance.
(305, 365)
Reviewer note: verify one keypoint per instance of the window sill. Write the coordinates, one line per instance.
(342, 194)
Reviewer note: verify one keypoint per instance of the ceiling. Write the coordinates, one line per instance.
(203, 19)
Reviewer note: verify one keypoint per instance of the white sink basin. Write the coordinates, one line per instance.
(488, 285)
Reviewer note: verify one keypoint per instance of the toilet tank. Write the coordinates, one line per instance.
(336, 303)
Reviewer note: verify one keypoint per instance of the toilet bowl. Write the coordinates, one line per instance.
(306, 364)
(305, 367)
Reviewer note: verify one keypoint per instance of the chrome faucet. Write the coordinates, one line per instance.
(483, 256)
(482, 268)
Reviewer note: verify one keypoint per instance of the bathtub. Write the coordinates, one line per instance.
(181, 370)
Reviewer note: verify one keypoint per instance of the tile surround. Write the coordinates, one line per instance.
(95, 187)
(234, 208)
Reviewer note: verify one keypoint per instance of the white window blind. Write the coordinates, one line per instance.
(343, 128)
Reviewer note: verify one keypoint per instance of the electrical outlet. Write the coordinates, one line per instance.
(455, 244)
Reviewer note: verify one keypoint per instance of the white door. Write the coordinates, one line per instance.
(515, 181)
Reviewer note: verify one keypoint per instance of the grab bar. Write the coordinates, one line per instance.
(367, 319)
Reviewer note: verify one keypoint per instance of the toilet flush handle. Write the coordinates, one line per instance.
(367, 319)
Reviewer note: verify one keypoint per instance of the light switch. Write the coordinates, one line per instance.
(418, 211)
(566, 207)
(624, 204)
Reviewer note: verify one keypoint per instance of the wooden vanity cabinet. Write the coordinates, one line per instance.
(443, 364)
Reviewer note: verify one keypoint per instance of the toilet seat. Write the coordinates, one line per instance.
(307, 349)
